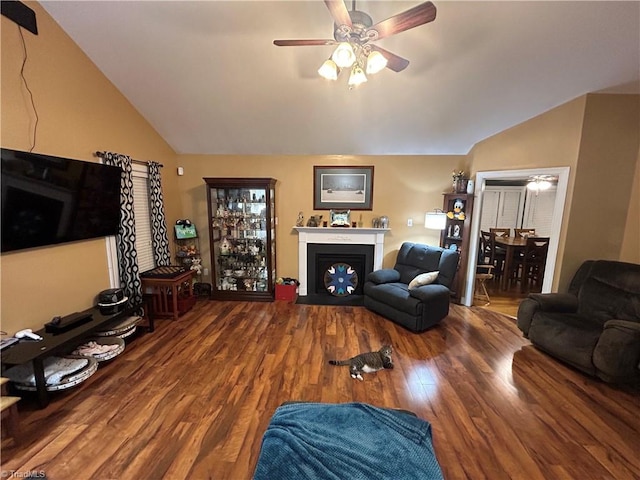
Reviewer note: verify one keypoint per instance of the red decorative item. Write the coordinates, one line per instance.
(288, 293)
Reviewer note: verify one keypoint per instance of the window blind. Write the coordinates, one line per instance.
(144, 245)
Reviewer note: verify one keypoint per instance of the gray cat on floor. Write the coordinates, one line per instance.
(367, 362)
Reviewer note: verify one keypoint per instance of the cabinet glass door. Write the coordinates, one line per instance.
(239, 228)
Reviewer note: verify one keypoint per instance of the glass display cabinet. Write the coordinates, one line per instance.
(242, 239)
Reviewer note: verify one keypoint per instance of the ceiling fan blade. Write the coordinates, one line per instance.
(414, 17)
(303, 43)
(339, 12)
(394, 62)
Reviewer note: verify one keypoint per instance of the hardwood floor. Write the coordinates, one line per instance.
(193, 399)
(502, 301)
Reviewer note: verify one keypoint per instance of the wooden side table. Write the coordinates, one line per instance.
(9, 408)
(167, 292)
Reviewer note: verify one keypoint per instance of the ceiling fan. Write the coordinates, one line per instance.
(354, 33)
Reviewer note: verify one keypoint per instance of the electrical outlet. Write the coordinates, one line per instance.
(205, 272)
(410, 222)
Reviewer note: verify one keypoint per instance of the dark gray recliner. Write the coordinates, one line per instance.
(595, 326)
(386, 291)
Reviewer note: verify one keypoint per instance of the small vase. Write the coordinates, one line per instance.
(460, 185)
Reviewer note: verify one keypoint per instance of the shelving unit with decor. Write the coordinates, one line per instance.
(242, 238)
(456, 236)
(187, 244)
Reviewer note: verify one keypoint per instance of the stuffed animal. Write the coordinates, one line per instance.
(196, 264)
(458, 207)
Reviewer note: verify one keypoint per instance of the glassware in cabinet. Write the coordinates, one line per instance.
(242, 237)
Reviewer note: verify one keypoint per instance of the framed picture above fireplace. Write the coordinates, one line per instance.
(343, 188)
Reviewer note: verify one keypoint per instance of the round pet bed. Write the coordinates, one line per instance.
(69, 371)
(122, 329)
(100, 356)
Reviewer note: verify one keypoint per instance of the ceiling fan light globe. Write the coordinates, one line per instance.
(357, 77)
(344, 56)
(329, 70)
(375, 62)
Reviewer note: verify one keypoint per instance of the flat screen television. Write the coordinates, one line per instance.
(49, 200)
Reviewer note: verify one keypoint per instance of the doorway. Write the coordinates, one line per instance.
(562, 173)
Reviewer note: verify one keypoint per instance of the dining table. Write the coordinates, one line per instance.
(512, 245)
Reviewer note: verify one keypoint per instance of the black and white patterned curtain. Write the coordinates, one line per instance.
(126, 238)
(160, 238)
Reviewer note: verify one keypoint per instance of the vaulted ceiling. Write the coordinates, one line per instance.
(207, 76)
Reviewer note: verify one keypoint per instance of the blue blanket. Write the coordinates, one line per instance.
(346, 441)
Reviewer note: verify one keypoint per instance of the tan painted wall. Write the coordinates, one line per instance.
(596, 136)
(604, 178)
(76, 106)
(404, 187)
(551, 139)
(630, 250)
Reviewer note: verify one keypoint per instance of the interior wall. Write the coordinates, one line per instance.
(630, 249)
(404, 187)
(605, 172)
(79, 112)
(551, 139)
(593, 135)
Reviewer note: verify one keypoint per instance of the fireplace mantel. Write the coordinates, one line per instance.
(341, 236)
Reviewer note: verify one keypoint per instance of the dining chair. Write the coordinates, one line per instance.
(484, 268)
(498, 255)
(524, 232)
(485, 248)
(531, 264)
(501, 232)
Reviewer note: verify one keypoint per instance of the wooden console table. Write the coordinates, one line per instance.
(167, 292)
(60, 343)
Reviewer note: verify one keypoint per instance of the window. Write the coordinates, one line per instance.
(144, 233)
(144, 245)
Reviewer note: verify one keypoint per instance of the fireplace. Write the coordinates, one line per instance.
(323, 256)
(364, 245)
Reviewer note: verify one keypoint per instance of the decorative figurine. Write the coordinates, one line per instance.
(300, 221)
(314, 221)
